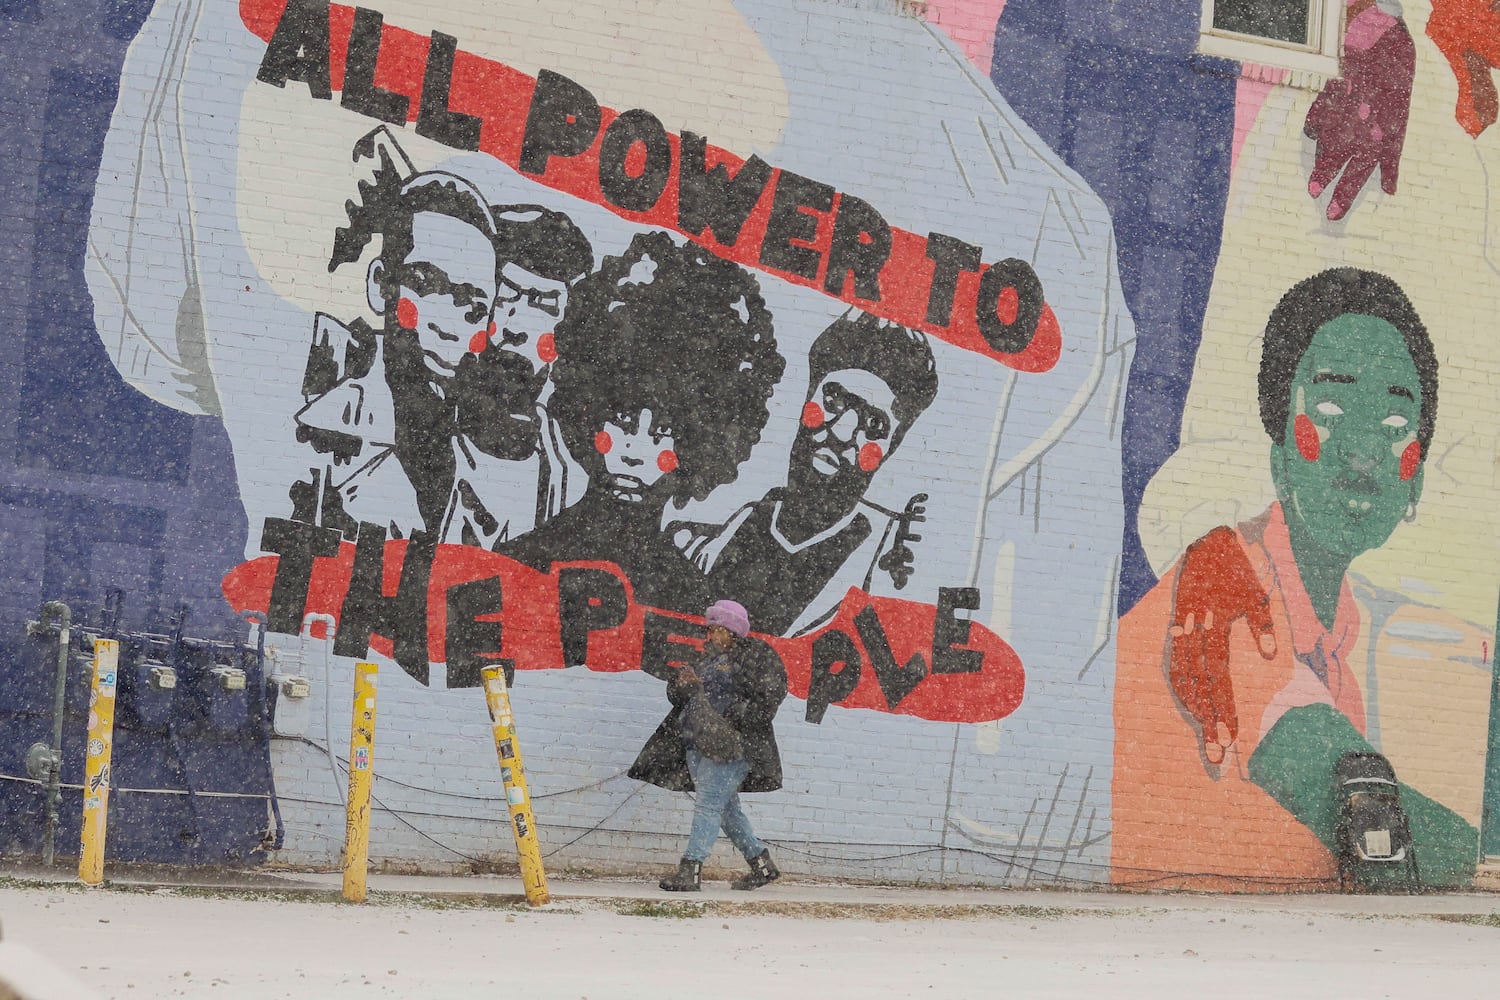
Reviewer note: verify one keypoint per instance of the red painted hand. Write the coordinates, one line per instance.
(1216, 587)
(1359, 119)
(1467, 33)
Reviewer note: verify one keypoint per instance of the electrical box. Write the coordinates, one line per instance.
(291, 704)
(147, 690)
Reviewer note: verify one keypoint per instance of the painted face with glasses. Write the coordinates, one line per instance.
(844, 436)
(527, 307)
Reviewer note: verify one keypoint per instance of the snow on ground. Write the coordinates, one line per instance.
(140, 945)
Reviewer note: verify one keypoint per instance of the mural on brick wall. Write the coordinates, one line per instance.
(1061, 401)
(527, 355)
(1286, 630)
(1348, 392)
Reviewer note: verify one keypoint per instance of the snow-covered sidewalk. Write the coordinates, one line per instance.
(464, 937)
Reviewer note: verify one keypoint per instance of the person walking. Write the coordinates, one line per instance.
(718, 741)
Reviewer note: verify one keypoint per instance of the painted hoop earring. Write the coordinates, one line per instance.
(1411, 512)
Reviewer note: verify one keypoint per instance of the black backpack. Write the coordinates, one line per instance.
(1372, 836)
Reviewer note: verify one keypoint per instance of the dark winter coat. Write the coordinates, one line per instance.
(758, 686)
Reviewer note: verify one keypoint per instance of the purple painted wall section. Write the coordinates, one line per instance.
(99, 486)
(1119, 92)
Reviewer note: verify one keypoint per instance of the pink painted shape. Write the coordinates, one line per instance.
(971, 25)
(1249, 96)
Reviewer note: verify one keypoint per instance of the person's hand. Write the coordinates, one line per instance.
(1467, 33)
(686, 675)
(1216, 587)
(1359, 119)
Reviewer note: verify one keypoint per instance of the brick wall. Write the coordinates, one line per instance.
(292, 284)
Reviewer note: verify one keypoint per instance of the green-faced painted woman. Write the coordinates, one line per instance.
(1349, 466)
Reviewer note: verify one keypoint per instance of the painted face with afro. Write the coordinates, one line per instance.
(665, 362)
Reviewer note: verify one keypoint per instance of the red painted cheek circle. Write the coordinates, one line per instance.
(813, 415)
(1411, 458)
(1308, 445)
(870, 456)
(406, 314)
(603, 442)
(667, 461)
(546, 348)
(478, 342)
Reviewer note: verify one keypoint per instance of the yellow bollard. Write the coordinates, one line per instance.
(96, 764)
(513, 775)
(361, 777)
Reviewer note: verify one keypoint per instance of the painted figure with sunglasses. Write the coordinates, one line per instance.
(869, 380)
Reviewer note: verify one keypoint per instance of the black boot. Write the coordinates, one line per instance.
(685, 879)
(762, 871)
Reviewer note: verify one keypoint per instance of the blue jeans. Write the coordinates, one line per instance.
(718, 804)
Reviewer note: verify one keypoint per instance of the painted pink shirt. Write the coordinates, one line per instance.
(1322, 675)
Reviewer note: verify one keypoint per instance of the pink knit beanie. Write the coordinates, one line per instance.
(729, 614)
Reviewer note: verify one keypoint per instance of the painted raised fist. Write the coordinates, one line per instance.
(1216, 587)
(1359, 119)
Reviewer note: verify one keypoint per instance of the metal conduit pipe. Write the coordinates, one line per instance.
(50, 757)
(330, 626)
(257, 620)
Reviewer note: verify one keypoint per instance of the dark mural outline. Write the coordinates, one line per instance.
(614, 393)
(666, 360)
(868, 381)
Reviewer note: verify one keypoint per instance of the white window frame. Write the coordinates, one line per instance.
(1320, 59)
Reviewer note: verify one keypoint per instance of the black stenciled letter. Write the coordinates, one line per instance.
(589, 600)
(663, 646)
(402, 618)
(297, 543)
(828, 685)
(712, 199)
(861, 246)
(795, 196)
(1009, 338)
(434, 120)
(635, 194)
(950, 632)
(562, 121)
(360, 93)
(471, 644)
(896, 681)
(951, 257)
(298, 50)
